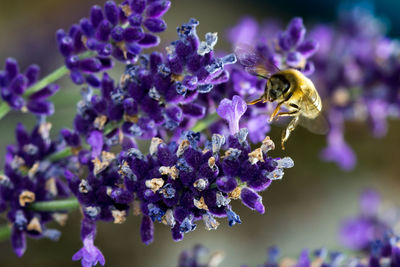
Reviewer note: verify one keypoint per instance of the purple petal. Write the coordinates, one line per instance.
(232, 111)
(18, 241)
(95, 140)
(147, 230)
(252, 200)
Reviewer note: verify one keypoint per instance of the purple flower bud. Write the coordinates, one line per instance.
(175, 65)
(86, 27)
(294, 59)
(138, 6)
(133, 34)
(232, 111)
(147, 230)
(149, 40)
(18, 85)
(177, 235)
(193, 110)
(96, 16)
(117, 33)
(226, 184)
(32, 74)
(90, 65)
(103, 31)
(158, 8)
(60, 33)
(72, 62)
(133, 48)
(252, 200)
(44, 93)
(284, 41)
(296, 31)
(40, 107)
(22, 135)
(77, 77)
(11, 68)
(71, 138)
(308, 48)
(155, 25)
(93, 80)
(3, 80)
(18, 241)
(111, 12)
(135, 20)
(182, 49)
(130, 106)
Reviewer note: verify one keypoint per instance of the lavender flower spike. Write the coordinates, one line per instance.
(232, 111)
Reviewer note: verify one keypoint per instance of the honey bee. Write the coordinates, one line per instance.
(289, 88)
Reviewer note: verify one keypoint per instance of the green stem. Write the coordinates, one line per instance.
(5, 232)
(55, 205)
(112, 126)
(4, 109)
(51, 78)
(206, 122)
(61, 154)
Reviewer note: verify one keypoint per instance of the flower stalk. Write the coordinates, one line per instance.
(55, 205)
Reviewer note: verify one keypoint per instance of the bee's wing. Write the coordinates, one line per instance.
(253, 62)
(318, 125)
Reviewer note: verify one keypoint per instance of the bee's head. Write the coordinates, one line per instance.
(277, 86)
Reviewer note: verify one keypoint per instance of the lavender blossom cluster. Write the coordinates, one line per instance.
(370, 234)
(186, 175)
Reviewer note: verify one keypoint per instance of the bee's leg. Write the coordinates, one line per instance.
(289, 129)
(276, 110)
(287, 114)
(255, 101)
